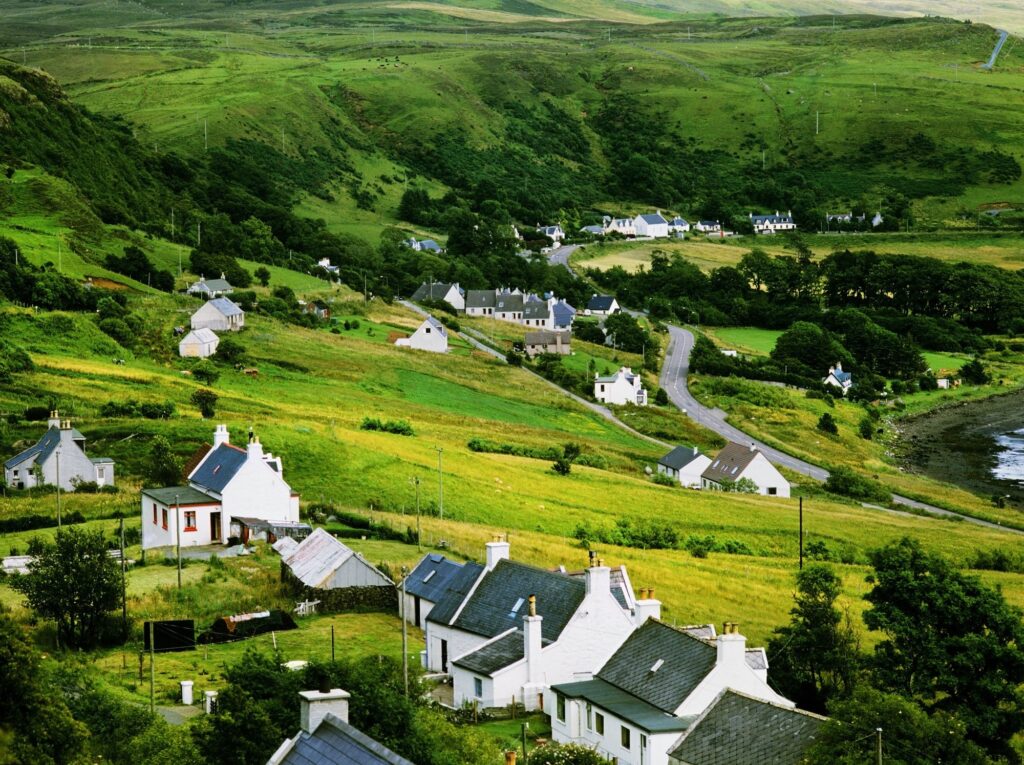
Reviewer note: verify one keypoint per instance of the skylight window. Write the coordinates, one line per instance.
(216, 469)
(657, 665)
(516, 607)
(428, 577)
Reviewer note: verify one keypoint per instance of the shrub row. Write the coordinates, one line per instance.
(151, 410)
(399, 427)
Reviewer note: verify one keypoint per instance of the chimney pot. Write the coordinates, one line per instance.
(650, 593)
(315, 705)
(533, 605)
(510, 757)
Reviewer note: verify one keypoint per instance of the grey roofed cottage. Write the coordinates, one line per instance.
(430, 245)
(563, 313)
(219, 314)
(335, 742)
(58, 457)
(322, 562)
(680, 457)
(601, 303)
(653, 218)
(508, 303)
(730, 462)
(454, 591)
(548, 341)
(480, 299)
(199, 343)
(742, 730)
(211, 287)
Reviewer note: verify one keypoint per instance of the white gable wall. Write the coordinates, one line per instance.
(209, 317)
(580, 729)
(766, 476)
(257, 491)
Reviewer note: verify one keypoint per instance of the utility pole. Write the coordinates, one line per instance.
(332, 643)
(124, 585)
(177, 531)
(817, 122)
(878, 748)
(405, 636)
(762, 159)
(801, 533)
(172, 224)
(206, 137)
(419, 542)
(199, 235)
(526, 727)
(440, 483)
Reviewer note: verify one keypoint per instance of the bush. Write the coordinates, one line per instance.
(230, 351)
(699, 547)
(866, 428)
(845, 482)
(206, 373)
(664, 480)
(206, 400)
(661, 397)
(398, 427)
(827, 424)
(974, 372)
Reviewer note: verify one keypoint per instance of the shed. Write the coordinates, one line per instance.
(199, 343)
(322, 562)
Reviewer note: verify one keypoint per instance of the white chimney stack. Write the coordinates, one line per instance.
(254, 449)
(533, 643)
(496, 551)
(221, 436)
(599, 578)
(647, 607)
(314, 706)
(732, 646)
(54, 421)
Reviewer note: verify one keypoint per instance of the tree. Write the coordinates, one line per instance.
(951, 642)
(909, 735)
(866, 428)
(74, 582)
(240, 732)
(661, 397)
(814, 658)
(810, 348)
(206, 400)
(563, 463)
(206, 372)
(262, 275)
(626, 332)
(745, 486)
(974, 372)
(230, 351)
(827, 424)
(164, 468)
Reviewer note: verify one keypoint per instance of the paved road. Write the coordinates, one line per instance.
(1003, 34)
(560, 256)
(673, 380)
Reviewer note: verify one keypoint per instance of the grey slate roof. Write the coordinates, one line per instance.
(430, 245)
(41, 449)
(335, 742)
(623, 705)
(201, 335)
(480, 299)
(739, 730)
(508, 303)
(730, 463)
(601, 303)
(680, 457)
(686, 660)
(593, 229)
(219, 467)
(653, 218)
(536, 310)
(211, 285)
(432, 577)
(454, 593)
(432, 291)
(840, 375)
(225, 306)
(496, 655)
(772, 218)
(546, 337)
(563, 313)
(186, 495)
(492, 608)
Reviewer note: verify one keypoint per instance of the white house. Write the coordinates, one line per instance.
(220, 315)
(651, 225)
(620, 388)
(685, 464)
(678, 226)
(742, 728)
(772, 224)
(538, 313)
(58, 459)
(452, 294)
(602, 305)
(837, 378)
(521, 629)
(554, 233)
(435, 578)
(624, 226)
(508, 306)
(430, 336)
(708, 227)
(210, 288)
(199, 343)
(226, 482)
(322, 562)
(422, 245)
(325, 264)
(651, 689)
(480, 302)
(736, 462)
(878, 220)
(846, 217)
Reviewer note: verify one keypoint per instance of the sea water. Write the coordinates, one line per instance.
(1010, 457)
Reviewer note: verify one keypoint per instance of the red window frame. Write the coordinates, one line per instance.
(190, 520)
(165, 518)
(154, 514)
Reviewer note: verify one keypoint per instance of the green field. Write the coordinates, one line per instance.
(748, 340)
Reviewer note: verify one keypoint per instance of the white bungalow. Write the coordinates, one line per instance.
(58, 459)
(737, 462)
(228, 482)
(624, 226)
(684, 464)
(199, 343)
(623, 387)
(430, 336)
(837, 378)
(772, 224)
(210, 288)
(219, 314)
(450, 293)
(555, 233)
(651, 225)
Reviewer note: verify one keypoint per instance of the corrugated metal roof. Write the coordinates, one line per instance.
(202, 335)
(285, 546)
(225, 306)
(318, 556)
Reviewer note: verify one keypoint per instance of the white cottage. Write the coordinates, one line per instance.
(210, 288)
(650, 690)
(737, 462)
(521, 629)
(623, 387)
(219, 314)
(624, 226)
(837, 378)
(450, 293)
(58, 459)
(431, 336)
(199, 343)
(602, 305)
(227, 482)
(434, 579)
(651, 225)
(772, 224)
(685, 465)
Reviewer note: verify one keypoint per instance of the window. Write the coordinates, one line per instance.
(427, 330)
(560, 707)
(624, 737)
(478, 687)
(643, 741)
(590, 716)
(599, 723)
(165, 518)
(772, 491)
(101, 473)
(154, 514)
(190, 520)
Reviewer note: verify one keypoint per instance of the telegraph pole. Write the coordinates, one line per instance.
(152, 669)
(405, 636)
(878, 748)
(58, 489)
(440, 483)
(801, 533)
(177, 531)
(124, 585)
(419, 541)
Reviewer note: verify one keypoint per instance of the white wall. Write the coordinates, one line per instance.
(258, 491)
(154, 534)
(428, 338)
(459, 643)
(410, 610)
(356, 572)
(689, 476)
(208, 316)
(455, 299)
(619, 392)
(763, 473)
(608, 744)
(195, 348)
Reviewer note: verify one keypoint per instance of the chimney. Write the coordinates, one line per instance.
(732, 646)
(65, 424)
(254, 448)
(753, 446)
(496, 551)
(510, 757)
(221, 436)
(599, 578)
(646, 607)
(315, 705)
(532, 643)
(54, 421)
